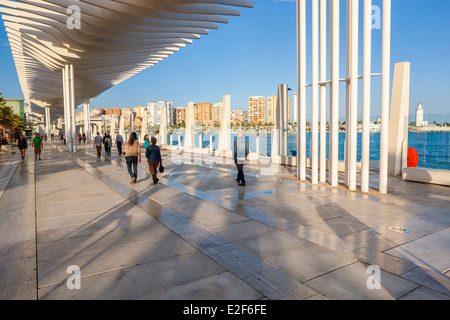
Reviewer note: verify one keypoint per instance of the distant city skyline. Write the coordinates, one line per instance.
(256, 52)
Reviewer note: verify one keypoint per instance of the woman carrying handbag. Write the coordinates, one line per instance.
(153, 154)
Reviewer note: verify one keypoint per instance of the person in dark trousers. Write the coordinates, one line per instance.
(119, 142)
(107, 142)
(240, 153)
(84, 137)
(132, 156)
(23, 146)
(153, 155)
(98, 144)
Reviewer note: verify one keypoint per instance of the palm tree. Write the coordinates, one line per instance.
(9, 121)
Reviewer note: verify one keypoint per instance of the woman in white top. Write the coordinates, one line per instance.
(132, 156)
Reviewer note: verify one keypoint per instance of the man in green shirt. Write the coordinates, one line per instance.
(38, 146)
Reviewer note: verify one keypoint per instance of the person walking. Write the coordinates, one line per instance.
(64, 138)
(132, 156)
(79, 138)
(23, 146)
(146, 141)
(38, 146)
(240, 153)
(119, 142)
(98, 144)
(84, 137)
(158, 138)
(107, 141)
(153, 155)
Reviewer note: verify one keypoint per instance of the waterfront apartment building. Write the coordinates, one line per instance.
(114, 111)
(256, 109)
(217, 112)
(139, 111)
(180, 115)
(238, 116)
(271, 107)
(154, 112)
(203, 112)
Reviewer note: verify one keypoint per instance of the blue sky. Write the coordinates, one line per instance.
(257, 51)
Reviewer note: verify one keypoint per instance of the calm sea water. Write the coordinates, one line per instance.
(433, 147)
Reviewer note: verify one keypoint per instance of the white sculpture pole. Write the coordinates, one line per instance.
(113, 127)
(144, 126)
(353, 105)
(367, 74)
(314, 146)
(323, 91)
(301, 90)
(385, 91)
(334, 92)
(163, 126)
(72, 109)
(189, 134)
(224, 136)
(122, 126)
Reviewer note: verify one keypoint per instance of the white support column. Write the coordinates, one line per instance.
(334, 92)
(385, 91)
(353, 106)
(367, 72)
(347, 91)
(323, 91)
(314, 146)
(301, 89)
(47, 123)
(67, 104)
(72, 109)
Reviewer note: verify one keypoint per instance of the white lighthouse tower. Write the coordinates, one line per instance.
(419, 116)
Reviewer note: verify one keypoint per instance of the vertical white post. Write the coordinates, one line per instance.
(347, 92)
(314, 146)
(323, 91)
(67, 108)
(334, 93)
(72, 109)
(301, 90)
(385, 91)
(367, 70)
(353, 106)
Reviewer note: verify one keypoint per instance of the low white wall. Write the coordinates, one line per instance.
(434, 176)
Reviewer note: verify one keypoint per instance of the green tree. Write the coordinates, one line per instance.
(9, 121)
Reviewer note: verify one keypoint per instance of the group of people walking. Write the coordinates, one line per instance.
(132, 152)
(36, 143)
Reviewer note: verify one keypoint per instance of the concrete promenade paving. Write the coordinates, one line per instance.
(198, 235)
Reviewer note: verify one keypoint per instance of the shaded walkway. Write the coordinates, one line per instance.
(197, 235)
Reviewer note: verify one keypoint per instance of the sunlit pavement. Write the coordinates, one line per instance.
(198, 235)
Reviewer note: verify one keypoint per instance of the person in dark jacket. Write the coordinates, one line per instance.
(23, 146)
(240, 153)
(153, 155)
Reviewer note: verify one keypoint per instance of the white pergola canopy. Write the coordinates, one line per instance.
(116, 40)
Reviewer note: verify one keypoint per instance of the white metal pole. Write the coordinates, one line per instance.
(367, 71)
(323, 91)
(353, 106)
(72, 109)
(385, 92)
(68, 113)
(314, 146)
(334, 93)
(347, 92)
(301, 83)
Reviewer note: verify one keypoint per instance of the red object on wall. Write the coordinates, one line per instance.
(413, 158)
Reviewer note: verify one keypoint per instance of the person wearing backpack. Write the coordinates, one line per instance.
(107, 141)
(153, 155)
